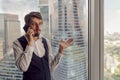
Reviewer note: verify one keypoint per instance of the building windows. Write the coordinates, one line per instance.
(69, 25)
(69, 19)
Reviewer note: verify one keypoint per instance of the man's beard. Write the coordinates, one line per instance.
(36, 34)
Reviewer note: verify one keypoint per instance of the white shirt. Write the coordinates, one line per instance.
(23, 58)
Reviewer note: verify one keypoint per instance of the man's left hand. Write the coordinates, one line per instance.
(64, 44)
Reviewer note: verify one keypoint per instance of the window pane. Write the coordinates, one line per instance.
(69, 20)
(62, 19)
(11, 27)
(112, 40)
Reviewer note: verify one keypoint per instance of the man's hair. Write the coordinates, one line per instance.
(28, 17)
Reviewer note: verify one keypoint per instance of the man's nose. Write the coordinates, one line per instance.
(38, 27)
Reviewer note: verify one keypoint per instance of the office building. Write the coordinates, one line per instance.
(44, 10)
(67, 20)
(9, 31)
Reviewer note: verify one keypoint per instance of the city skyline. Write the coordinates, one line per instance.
(44, 10)
(72, 27)
(111, 11)
(9, 23)
(70, 21)
(19, 7)
(10, 30)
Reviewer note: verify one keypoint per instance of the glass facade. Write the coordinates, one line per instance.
(62, 19)
(69, 20)
(42, 2)
(10, 30)
(8, 69)
(2, 38)
(44, 10)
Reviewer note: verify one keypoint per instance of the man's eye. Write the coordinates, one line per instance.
(32, 24)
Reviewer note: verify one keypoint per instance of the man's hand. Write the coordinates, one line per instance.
(63, 45)
(30, 37)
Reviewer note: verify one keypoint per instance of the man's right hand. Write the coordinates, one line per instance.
(30, 37)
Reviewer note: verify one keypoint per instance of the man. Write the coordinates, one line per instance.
(33, 53)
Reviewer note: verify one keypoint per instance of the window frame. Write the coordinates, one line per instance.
(96, 40)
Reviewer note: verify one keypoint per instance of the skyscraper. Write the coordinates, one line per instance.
(44, 10)
(9, 31)
(67, 22)
(1, 49)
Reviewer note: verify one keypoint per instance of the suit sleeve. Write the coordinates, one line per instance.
(22, 58)
(53, 60)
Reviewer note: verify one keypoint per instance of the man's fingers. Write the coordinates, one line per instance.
(30, 30)
(69, 41)
(62, 40)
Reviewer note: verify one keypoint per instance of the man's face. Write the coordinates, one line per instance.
(36, 25)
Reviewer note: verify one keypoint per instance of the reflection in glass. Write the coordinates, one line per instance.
(69, 20)
(10, 30)
(11, 24)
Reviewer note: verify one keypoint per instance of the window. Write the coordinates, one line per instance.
(105, 40)
(111, 40)
(73, 65)
(62, 19)
(12, 22)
